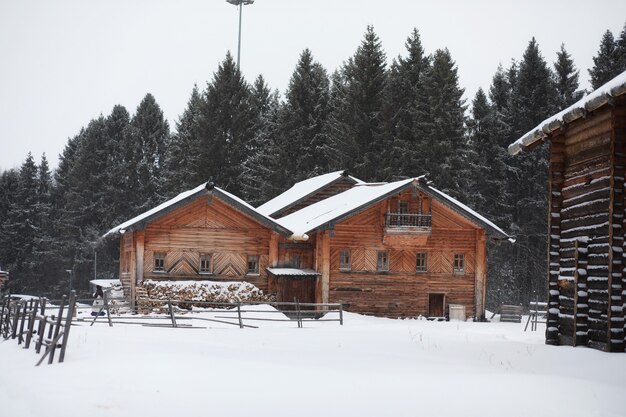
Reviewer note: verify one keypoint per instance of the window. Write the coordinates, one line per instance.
(403, 207)
(253, 264)
(159, 262)
(459, 263)
(383, 261)
(205, 264)
(344, 260)
(420, 264)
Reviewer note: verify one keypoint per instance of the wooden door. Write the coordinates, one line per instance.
(435, 305)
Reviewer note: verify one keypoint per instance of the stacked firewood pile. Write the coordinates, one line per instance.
(216, 292)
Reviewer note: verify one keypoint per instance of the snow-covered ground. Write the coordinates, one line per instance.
(368, 367)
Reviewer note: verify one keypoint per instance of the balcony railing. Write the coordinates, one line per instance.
(408, 220)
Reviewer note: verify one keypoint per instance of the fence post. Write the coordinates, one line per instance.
(71, 306)
(105, 299)
(40, 331)
(298, 317)
(341, 314)
(57, 329)
(239, 314)
(20, 336)
(169, 303)
(4, 301)
(16, 318)
(31, 324)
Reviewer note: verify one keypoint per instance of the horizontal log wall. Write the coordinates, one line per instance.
(586, 233)
(402, 291)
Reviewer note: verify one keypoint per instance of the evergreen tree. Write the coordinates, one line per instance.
(183, 165)
(532, 101)
(356, 125)
(441, 124)
(20, 229)
(149, 135)
(225, 127)
(566, 80)
(302, 118)
(606, 65)
(621, 49)
(404, 96)
(263, 175)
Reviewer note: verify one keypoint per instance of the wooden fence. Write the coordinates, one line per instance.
(236, 314)
(26, 320)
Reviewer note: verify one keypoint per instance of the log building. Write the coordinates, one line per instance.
(390, 249)
(587, 166)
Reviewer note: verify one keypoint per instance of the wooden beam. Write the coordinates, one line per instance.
(480, 274)
(139, 252)
(325, 267)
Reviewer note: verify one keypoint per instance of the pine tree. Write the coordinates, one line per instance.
(356, 125)
(263, 174)
(532, 101)
(20, 229)
(441, 124)
(606, 65)
(404, 96)
(225, 126)
(183, 165)
(149, 133)
(302, 118)
(566, 80)
(621, 50)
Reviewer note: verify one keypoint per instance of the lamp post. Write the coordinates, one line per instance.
(69, 272)
(239, 3)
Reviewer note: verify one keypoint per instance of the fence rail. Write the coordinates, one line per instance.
(235, 314)
(26, 320)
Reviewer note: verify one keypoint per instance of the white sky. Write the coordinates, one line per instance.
(64, 62)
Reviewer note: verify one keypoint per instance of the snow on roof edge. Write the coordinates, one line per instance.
(472, 212)
(613, 88)
(183, 196)
(301, 190)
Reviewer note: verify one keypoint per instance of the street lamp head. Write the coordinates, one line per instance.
(69, 271)
(240, 2)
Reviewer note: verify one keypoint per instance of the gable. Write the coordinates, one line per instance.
(200, 213)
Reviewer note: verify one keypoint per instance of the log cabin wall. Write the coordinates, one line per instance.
(340, 185)
(211, 228)
(402, 291)
(617, 278)
(581, 183)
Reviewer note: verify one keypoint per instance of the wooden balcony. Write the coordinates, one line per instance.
(408, 220)
(413, 226)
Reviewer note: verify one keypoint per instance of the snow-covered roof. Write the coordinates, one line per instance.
(472, 213)
(362, 196)
(302, 190)
(292, 272)
(106, 283)
(335, 207)
(601, 96)
(200, 190)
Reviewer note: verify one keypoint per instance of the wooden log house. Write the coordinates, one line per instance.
(396, 249)
(586, 299)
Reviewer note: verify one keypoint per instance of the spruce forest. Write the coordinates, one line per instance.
(382, 119)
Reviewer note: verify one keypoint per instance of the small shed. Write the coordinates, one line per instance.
(586, 221)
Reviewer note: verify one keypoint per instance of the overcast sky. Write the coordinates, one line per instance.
(64, 62)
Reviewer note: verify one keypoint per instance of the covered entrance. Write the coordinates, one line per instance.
(292, 284)
(436, 305)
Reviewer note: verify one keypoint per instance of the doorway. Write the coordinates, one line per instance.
(435, 305)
